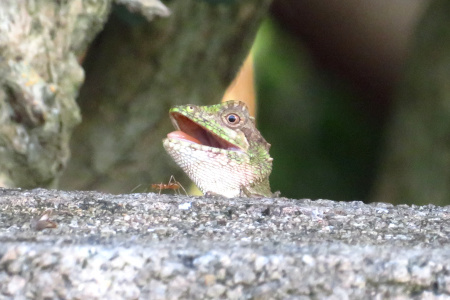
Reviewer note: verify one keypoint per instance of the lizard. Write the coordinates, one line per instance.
(220, 149)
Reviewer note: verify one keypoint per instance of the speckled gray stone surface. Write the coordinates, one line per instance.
(150, 246)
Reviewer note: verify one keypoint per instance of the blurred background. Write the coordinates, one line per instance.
(353, 95)
(327, 73)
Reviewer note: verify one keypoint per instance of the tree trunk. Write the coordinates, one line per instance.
(135, 71)
(39, 80)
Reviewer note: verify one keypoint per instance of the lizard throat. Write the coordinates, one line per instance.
(192, 132)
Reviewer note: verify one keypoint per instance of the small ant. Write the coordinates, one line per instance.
(171, 185)
(43, 221)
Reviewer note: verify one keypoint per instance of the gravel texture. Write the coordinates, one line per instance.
(152, 246)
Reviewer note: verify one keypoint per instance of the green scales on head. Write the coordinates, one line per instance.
(220, 149)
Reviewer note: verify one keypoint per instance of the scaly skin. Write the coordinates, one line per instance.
(220, 149)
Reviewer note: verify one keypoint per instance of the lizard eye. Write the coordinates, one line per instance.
(233, 119)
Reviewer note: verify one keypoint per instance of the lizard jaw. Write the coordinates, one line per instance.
(192, 132)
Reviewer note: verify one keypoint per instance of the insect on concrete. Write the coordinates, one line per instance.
(171, 185)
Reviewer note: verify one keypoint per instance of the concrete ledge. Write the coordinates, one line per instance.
(153, 246)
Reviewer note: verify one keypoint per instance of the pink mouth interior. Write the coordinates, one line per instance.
(192, 132)
(180, 135)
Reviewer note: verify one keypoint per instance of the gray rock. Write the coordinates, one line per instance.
(147, 246)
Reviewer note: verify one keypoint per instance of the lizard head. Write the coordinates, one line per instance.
(220, 149)
(226, 126)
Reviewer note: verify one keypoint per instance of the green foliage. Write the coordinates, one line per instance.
(323, 146)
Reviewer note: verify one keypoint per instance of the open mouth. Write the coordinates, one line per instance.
(192, 132)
